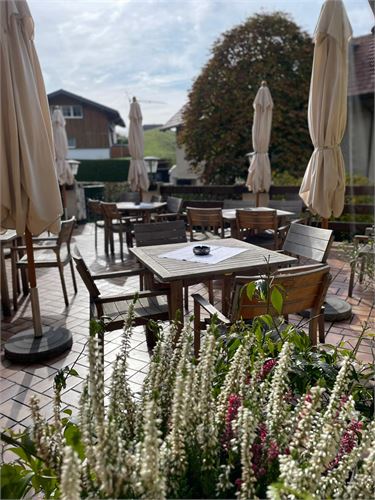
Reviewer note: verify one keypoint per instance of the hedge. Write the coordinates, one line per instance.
(112, 170)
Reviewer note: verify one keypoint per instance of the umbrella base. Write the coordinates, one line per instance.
(26, 348)
(335, 309)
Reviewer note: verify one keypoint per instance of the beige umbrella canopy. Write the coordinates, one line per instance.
(30, 196)
(259, 176)
(63, 170)
(137, 176)
(323, 185)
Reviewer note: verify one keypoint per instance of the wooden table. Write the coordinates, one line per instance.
(142, 209)
(229, 216)
(179, 273)
(8, 239)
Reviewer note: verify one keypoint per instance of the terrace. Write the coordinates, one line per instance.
(20, 382)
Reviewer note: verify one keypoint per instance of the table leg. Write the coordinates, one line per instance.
(5, 302)
(225, 300)
(146, 217)
(233, 229)
(176, 305)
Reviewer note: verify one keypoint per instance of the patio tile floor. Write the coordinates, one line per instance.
(19, 382)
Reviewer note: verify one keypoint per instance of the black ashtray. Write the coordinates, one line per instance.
(201, 250)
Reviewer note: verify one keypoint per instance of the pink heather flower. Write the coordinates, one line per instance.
(234, 402)
(238, 482)
(273, 451)
(347, 443)
(266, 368)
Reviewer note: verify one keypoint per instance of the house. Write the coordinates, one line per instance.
(358, 142)
(90, 126)
(183, 172)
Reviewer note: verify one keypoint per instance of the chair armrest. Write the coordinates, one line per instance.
(47, 238)
(119, 274)
(208, 307)
(130, 296)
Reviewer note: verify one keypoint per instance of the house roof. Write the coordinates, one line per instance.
(112, 113)
(361, 65)
(175, 121)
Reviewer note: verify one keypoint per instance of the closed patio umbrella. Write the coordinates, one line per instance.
(63, 170)
(259, 176)
(137, 176)
(323, 185)
(30, 197)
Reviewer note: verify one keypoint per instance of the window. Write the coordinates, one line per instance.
(72, 143)
(72, 111)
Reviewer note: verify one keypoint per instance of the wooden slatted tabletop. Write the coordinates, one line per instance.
(178, 272)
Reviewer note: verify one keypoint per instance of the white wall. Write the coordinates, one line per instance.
(183, 169)
(89, 154)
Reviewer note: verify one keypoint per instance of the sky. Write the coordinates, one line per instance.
(111, 50)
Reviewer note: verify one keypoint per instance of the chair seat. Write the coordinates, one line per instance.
(144, 307)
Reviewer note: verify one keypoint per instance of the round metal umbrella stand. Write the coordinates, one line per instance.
(335, 309)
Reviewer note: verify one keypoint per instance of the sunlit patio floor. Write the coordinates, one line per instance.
(20, 382)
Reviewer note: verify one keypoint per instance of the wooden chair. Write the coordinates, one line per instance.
(303, 215)
(96, 213)
(164, 233)
(114, 309)
(115, 223)
(309, 242)
(133, 196)
(259, 227)
(155, 198)
(364, 250)
(172, 211)
(205, 218)
(55, 253)
(303, 288)
(230, 204)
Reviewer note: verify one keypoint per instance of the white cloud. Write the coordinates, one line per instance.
(153, 49)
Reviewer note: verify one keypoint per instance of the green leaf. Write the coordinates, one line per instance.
(277, 299)
(15, 481)
(250, 290)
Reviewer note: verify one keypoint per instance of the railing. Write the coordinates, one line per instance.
(209, 194)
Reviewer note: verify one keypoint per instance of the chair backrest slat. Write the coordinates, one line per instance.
(85, 274)
(94, 207)
(174, 205)
(205, 217)
(66, 231)
(110, 211)
(160, 233)
(256, 219)
(301, 290)
(309, 242)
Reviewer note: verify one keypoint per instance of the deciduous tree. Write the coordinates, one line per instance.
(219, 114)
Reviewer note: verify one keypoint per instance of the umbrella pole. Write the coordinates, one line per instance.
(257, 200)
(63, 198)
(33, 289)
(324, 224)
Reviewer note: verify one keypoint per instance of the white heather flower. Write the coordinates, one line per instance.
(151, 480)
(70, 475)
(363, 484)
(247, 436)
(276, 409)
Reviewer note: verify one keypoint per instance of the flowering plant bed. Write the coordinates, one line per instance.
(256, 416)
